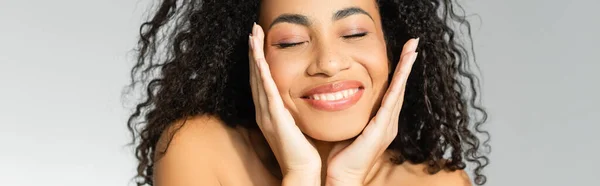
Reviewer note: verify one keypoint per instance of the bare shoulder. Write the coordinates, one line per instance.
(416, 174)
(203, 133)
(191, 152)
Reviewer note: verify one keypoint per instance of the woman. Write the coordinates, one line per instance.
(315, 93)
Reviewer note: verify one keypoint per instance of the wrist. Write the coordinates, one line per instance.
(341, 182)
(301, 179)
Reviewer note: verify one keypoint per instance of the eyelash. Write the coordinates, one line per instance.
(287, 45)
(353, 36)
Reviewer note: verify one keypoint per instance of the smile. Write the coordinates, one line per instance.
(335, 96)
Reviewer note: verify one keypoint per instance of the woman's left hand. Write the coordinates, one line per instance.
(349, 163)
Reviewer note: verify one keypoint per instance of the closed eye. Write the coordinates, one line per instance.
(355, 35)
(287, 45)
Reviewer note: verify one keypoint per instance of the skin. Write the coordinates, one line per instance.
(326, 56)
(312, 147)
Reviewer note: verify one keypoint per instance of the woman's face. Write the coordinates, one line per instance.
(329, 61)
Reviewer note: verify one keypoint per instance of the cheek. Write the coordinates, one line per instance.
(373, 58)
(284, 72)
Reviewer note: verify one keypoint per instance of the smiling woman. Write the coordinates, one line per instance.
(315, 56)
(305, 92)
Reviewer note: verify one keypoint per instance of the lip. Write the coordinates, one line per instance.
(334, 87)
(336, 105)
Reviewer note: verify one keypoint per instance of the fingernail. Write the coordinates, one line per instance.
(254, 28)
(415, 57)
(250, 42)
(417, 42)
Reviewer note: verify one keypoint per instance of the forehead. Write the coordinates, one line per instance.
(317, 10)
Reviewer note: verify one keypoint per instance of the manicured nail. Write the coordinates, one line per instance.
(254, 28)
(415, 57)
(417, 42)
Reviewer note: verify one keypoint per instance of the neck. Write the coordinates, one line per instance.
(324, 148)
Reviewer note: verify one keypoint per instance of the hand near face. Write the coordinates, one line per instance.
(349, 164)
(295, 154)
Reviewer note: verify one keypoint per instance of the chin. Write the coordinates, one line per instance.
(336, 122)
(333, 128)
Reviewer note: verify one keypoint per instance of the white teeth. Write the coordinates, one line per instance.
(323, 97)
(331, 97)
(339, 95)
(335, 95)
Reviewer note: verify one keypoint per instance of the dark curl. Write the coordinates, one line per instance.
(192, 60)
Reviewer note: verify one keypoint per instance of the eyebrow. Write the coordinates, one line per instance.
(291, 18)
(303, 20)
(341, 14)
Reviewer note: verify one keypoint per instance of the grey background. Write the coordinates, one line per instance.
(63, 65)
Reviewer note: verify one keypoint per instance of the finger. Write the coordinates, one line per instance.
(386, 119)
(252, 68)
(401, 71)
(394, 90)
(258, 59)
(270, 88)
(274, 103)
(261, 105)
(395, 95)
(410, 46)
(400, 79)
(382, 129)
(254, 85)
(271, 103)
(402, 82)
(398, 84)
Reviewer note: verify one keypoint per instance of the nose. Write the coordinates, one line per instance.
(329, 61)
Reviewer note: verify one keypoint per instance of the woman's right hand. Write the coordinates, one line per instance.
(295, 154)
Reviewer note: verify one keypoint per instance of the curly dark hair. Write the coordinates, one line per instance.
(192, 59)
